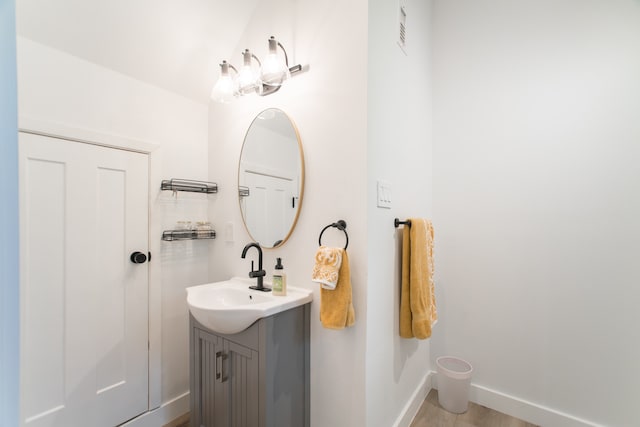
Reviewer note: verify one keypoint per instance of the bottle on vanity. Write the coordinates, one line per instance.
(279, 282)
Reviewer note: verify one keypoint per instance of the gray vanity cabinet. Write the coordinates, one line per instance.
(256, 378)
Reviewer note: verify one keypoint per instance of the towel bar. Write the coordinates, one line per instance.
(397, 222)
(340, 225)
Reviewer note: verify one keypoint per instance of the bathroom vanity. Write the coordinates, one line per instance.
(258, 377)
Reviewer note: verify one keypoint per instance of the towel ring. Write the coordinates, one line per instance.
(340, 225)
(397, 222)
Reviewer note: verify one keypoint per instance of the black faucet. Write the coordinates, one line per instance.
(260, 273)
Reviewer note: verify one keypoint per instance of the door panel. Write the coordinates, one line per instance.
(268, 211)
(43, 305)
(209, 389)
(242, 385)
(109, 342)
(84, 209)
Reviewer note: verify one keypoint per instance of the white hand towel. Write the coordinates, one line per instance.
(327, 267)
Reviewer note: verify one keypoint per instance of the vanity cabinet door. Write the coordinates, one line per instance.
(242, 385)
(225, 382)
(210, 396)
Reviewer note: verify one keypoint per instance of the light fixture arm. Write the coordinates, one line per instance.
(286, 57)
(225, 67)
(247, 55)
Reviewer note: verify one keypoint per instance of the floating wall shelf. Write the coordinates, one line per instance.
(171, 235)
(193, 187)
(189, 185)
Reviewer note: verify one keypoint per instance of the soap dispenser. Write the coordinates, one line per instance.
(279, 282)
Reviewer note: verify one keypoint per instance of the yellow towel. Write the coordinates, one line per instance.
(417, 300)
(336, 306)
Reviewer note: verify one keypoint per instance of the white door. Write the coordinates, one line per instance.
(269, 208)
(84, 304)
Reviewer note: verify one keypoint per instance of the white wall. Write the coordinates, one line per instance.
(536, 184)
(58, 88)
(399, 134)
(352, 132)
(9, 285)
(328, 104)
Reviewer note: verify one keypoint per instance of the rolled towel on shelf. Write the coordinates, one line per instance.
(418, 311)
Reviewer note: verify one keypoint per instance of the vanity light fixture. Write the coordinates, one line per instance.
(272, 72)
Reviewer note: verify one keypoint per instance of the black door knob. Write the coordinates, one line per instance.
(138, 258)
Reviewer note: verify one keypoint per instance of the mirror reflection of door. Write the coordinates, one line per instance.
(271, 178)
(269, 207)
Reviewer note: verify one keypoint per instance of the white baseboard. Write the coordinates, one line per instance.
(511, 405)
(520, 408)
(413, 405)
(166, 413)
(525, 410)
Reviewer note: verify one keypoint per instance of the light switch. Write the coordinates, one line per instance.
(384, 194)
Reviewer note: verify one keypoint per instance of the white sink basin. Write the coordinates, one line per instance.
(230, 307)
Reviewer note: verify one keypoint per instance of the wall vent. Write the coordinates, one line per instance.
(402, 28)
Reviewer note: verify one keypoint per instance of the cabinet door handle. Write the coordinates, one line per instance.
(222, 359)
(220, 372)
(218, 356)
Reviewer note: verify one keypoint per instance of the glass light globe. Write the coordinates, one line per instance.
(248, 79)
(224, 90)
(274, 69)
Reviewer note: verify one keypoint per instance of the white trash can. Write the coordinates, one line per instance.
(454, 379)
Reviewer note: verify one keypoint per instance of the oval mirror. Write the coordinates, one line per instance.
(271, 178)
